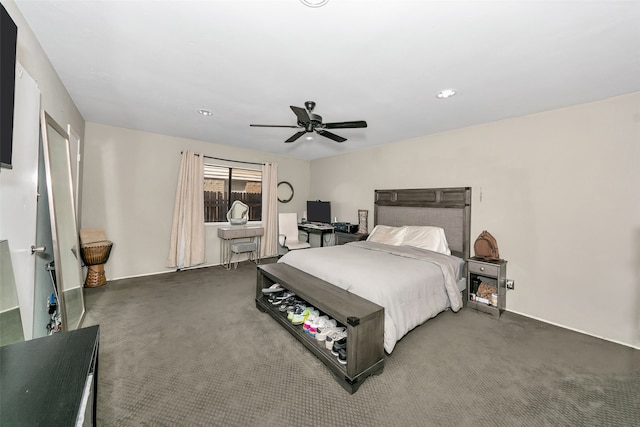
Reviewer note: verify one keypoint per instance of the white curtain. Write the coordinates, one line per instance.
(187, 232)
(269, 241)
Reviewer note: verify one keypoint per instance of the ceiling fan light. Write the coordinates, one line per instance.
(446, 93)
(314, 3)
(205, 112)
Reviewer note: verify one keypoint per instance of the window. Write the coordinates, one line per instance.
(223, 185)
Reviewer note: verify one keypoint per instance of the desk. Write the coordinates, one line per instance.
(50, 381)
(313, 230)
(228, 234)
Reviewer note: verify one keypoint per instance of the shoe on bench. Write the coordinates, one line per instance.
(342, 356)
(275, 288)
(338, 345)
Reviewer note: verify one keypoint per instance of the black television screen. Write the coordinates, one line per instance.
(318, 211)
(8, 38)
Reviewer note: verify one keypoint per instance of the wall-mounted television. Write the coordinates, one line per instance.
(8, 39)
(318, 211)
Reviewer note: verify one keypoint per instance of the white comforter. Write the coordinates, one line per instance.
(413, 285)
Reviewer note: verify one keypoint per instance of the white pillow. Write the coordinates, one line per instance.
(426, 237)
(387, 235)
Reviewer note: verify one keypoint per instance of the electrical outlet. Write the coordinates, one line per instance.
(511, 284)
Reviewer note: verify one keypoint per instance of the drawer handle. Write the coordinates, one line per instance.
(481, 268)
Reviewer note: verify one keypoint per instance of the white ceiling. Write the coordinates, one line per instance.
(150, 65)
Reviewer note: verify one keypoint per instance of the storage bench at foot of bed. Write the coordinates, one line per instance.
(363, 319)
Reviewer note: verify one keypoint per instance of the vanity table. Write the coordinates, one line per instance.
(229, 245)
(239, 238)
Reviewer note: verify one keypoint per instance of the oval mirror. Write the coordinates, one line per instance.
(285, 192)
(238, 214)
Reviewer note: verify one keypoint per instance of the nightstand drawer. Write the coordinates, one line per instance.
(482, 268)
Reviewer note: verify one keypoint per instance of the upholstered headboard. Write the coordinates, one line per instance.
(449, 208)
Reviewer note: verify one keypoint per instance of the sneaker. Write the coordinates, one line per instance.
(320, 323)
(342, 356)
(295, 308)
(286, 295)
(313, 318)
(334, 336)
(283, 301)
(299, 318)
(324, 331)
(338, 345)
(275, 288)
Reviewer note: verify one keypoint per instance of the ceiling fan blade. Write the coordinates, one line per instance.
(296, 136)
(303, 116)
(276, 126)
(330, 135)
(346, 125)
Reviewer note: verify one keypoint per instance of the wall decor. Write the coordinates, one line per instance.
(363, 225)
(285, 192)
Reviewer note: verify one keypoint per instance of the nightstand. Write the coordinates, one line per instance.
(342, 238)
(487, 285)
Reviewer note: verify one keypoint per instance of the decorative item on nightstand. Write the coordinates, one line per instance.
(486, 247)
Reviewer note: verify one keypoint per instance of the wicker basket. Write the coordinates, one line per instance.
(94, 256)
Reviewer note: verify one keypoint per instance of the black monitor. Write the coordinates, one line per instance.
(318, 211)
(8, 38)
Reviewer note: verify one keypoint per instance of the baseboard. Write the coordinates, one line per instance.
(574, 329)
(182, 269)
(173, 270)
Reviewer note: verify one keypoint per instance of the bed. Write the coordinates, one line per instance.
(412, 263)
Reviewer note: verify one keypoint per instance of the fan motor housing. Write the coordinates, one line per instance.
(315, 118)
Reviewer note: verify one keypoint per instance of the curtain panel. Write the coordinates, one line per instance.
(269, 241)
(187, 247)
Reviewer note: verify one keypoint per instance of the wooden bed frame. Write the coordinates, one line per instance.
(449, 208)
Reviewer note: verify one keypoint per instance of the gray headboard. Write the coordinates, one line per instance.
(449, 208)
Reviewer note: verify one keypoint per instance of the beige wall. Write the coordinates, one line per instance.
(130, 180)
(557, 189)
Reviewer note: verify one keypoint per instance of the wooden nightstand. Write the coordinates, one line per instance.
(493, 274)
(342, 238)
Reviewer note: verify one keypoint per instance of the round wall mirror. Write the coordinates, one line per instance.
(285, 192)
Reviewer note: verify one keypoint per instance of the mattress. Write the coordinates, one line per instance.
(413, 285)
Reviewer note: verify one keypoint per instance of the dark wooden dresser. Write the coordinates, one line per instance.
(50, 381)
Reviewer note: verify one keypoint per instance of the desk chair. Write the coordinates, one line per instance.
(288, 234)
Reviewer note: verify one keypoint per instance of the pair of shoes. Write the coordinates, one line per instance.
(299, 317)
(342, 356)
(323, 333)
(286, 297)
(289, 305)
(275, 288)
(313, 318)
(339, 349)
(338, 345)
(296, 306)
(333, 336)
(320, 324)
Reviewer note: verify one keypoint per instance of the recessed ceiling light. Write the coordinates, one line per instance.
(205, 112)
(446, 93)
(314, 3)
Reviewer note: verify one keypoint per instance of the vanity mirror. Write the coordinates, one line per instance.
(238, 214)
(64, 231)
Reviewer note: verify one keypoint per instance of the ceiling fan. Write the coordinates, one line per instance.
(310, 122)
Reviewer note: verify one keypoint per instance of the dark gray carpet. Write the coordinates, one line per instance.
(190, 348)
